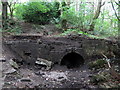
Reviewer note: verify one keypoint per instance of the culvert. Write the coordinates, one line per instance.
(72, 60)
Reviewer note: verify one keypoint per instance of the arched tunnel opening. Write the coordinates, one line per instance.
(72, 60)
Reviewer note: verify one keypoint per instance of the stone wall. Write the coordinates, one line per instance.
(29, 48)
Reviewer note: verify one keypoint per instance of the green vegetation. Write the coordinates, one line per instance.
(38, 12)
(77, 19)
(97, 19)
(97, 64)
(16, 30)
(98, 79)
(70, 18)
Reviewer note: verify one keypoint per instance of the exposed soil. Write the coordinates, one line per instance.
(28, 28)
(58, 77)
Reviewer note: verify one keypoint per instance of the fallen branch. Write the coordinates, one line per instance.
(107, 60)
(112, 71)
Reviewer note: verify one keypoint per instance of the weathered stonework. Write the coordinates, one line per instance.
(29, 48)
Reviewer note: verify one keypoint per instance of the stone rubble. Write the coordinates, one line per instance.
(2, 60)
(13, 64)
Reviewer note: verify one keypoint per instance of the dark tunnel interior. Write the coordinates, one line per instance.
(72, 60)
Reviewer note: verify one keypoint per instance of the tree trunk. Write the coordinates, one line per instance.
(64, 21)
(117, 15)
(64, 24)
(96, 15)
(11, 6)
(4, 15)
(11, 13)
(119, 22)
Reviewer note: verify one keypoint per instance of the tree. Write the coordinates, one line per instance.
(64, 6)
(4, 14)
(96, 15)
(117, 15)
(11, 6)
(118, 18)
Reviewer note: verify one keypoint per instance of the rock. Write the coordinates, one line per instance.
(2, 60)
(13, 64)
(7, 83)
(88, 81)
(84, 70)
(47, 79)
(39, 41)
(56, 76)
(60, 77)
(75, 81)
(47, 63)
(41, 63)
(74, 77)
(10, 71)
(82, 79)
(40, 73)
(37, 73)
(43, 68)
(90, 75)
(25, 80)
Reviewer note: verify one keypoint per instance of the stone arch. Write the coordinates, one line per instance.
(72, 60)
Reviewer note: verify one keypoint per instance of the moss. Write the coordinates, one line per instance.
(97, 64)
(98, 79)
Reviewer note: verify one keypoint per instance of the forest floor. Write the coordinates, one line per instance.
(28, 28)
(59, 76)
(25, 28)
(37, 77)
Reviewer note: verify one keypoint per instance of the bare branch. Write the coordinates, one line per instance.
(103, 3)
(106, 60)
(117, 3)
(115, 10)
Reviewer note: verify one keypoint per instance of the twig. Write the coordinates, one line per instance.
(113, 72)
(115, 11)
(103, 3)
(107, 60)
(117, 3)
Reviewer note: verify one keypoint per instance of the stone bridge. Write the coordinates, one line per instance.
(76, 49)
